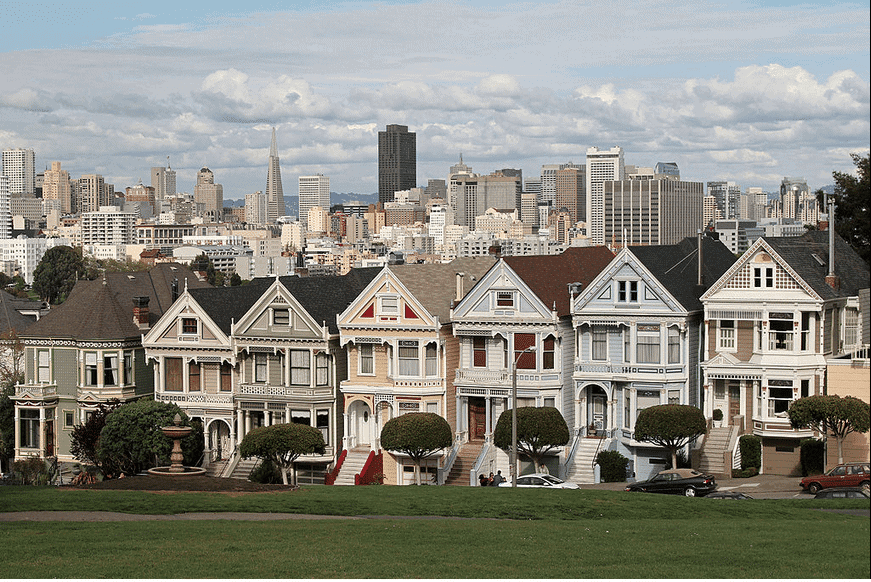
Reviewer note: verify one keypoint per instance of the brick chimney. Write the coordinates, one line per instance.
(140, 312)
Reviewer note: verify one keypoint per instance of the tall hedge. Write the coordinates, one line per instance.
(751, 451)
(812, 456)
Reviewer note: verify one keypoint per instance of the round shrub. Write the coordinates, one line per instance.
(613, 466)
(718, 414)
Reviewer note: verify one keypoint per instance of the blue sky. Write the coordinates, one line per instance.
(744, 91)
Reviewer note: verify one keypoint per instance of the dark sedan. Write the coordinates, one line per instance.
(678, 482)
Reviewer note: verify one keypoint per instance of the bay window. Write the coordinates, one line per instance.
(90, 369)
(673, 345)
(409, 358)
(726, 334)
(479, 352)
(599, 346)
(367, 359)
(780, 330)
(779, 396)
(647, 344)
(110, 370)
(300, 368)
(322, 369)
(29, 428)
(43, 363)
(260, 368)
(173, 378)
(548, 353)
(432, 368)
(524, 341)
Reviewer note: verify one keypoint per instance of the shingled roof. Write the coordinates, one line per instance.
(322, 297)
(676, 267)
(435, 284)
(10, 318)
(549, 275)
(808, 255)
(103, 309)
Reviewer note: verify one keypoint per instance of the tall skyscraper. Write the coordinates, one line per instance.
(397, 161)
(93, 193)
(56, 186)
(570, 193)
(255, 208)
(209, 194)
(5, 213)
(601, 165)
(727, 194)
(657, 211)
(313, 191)
(163, 181)
(274, 191)
(19, 166)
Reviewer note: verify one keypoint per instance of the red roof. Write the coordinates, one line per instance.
(549, 275)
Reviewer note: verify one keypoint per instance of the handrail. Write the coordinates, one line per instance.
(482, 456)
(570, 460)
(231, 463)
(330, 477)
(357, 477)
(596, 454)
(367, 473)
(445, 470)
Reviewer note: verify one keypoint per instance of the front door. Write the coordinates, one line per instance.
(49, 438)
(734, 402)
(477, 418)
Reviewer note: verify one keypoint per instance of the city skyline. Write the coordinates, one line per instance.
(724, 91)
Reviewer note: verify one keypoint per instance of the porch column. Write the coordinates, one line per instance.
(186, 376)
(42, 442)
(610, 414)
(287, 368)
(286, 415)
(232, 436)
(240, 424)
(267, 417)
(488, 415)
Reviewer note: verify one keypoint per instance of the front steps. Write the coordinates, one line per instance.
(354, 462)
(582, 469)
(466, 457)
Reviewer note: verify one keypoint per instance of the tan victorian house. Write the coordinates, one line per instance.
(402, 355)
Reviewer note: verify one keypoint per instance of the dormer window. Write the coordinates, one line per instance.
(627, 291)
(504, 299)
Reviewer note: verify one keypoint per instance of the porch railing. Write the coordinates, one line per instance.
(570, 459)
(374, 466)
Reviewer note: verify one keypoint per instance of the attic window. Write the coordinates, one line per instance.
(189, 325)
(280, 317)
(505, 299)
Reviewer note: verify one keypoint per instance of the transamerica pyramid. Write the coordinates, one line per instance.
(274, 191)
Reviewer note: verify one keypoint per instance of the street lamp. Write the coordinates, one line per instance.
(514, 415)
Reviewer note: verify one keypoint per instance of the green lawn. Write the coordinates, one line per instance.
(554, 534)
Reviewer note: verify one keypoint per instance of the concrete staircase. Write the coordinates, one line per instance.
(712, 458)
(215, 468)
(354, 462)
(585, 454)
(466, 457)
(243, 468)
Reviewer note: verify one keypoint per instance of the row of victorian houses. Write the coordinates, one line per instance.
(598, 335)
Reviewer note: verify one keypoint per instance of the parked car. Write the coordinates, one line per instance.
(842, 493)
(687, 482)
(843, 475)
(541, 480)
(727, 495)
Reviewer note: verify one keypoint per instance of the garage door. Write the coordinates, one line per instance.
(781, 457)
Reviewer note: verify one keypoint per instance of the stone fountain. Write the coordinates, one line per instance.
(177, 467)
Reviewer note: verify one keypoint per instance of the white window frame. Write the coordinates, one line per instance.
(43, 366)
(386, 305)
(505, 299)
(405, 362)
(366, 358)
(726, 335)
(627, 291)
(282, 310)
(599, 344)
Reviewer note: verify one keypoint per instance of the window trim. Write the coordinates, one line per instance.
(363, 358)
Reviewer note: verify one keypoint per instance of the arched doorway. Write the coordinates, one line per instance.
(596, 409)
(219, 440)
(360, 424)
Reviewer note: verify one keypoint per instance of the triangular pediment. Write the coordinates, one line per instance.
(277, 313)
(386, 302)
(760, 271)
(625, 286)
(169, 330)
(501, 293)
(723, 359)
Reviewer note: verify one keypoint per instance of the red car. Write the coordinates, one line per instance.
(845, 475)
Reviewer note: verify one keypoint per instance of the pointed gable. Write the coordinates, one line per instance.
(548, 276)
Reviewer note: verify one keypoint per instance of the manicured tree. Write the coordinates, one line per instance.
(56, 274)
(85, 438)
(418, 435)
(132, 440)
(539, 431)
(672, 426)
(283, 444)
(830, 414)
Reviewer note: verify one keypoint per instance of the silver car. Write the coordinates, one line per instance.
(541, 480)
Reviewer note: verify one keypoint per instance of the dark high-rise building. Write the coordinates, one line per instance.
(397, 161)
